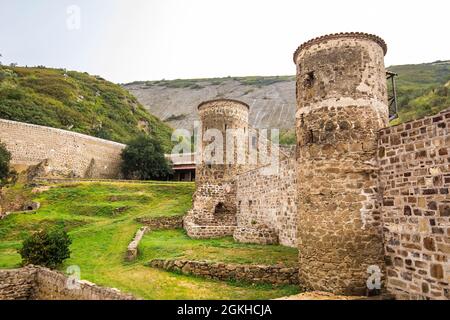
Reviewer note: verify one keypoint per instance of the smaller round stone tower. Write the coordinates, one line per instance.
(219, 118)
(341, 105)
(223, 154)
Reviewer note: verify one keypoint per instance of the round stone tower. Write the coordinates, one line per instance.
(222, 155)
(341, 104)
(224, 122)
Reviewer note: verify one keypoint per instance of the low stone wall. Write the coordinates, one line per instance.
(17, 284)
(38, 283)
(276, 275)
(196, 231)
(255, 235)
(162, 223)
(132, 250)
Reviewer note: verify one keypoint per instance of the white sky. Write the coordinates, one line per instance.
(127, 40)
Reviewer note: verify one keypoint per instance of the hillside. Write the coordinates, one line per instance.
(421, 88)
(75, 101)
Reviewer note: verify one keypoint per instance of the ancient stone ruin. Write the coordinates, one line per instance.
(363, 202)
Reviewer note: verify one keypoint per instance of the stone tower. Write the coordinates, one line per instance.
(219, 117)
(223, 155)
(341, 104)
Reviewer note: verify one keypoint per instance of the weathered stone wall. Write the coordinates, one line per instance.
(342, 103)
(132, 249)
(67, 153)
(17, 284)
(414, 161)
(267, 205)
(206, 231)
(38, 283)
(276, 275)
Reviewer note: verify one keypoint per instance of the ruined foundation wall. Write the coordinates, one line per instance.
(255, 274)
(38, 283)
(267, 201)
(68, 153)
(414, 161)
(17, 284)
(342, 103)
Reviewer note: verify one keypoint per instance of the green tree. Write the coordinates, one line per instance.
(5, 158)
(48, 248)
(143, 159)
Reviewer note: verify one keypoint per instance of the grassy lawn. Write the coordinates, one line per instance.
(175, 244)
(100, 218)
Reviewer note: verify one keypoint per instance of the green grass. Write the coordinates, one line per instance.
(78, 102)
(101, 233)
(175, 244)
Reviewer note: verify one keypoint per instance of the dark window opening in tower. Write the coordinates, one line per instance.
(220, 208)
(311, 136)
(254, 142)
(309, 79)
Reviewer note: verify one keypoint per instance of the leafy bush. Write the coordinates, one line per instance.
(48, 248)
(5, 158)
(143, 159)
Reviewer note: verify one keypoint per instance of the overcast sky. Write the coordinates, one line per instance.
(127, 40)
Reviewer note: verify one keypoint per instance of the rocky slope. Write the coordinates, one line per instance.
(421, 90)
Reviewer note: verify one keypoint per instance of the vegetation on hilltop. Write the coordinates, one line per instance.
(422, 89)
(78, 102)
(200, 83)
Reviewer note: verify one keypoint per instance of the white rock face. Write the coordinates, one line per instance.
(271, 105)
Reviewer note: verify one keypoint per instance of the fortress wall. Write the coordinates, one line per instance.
(68, 153)
(268, 201)
(414, 160)
(17, 284)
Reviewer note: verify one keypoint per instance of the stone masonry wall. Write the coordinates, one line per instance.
(414, 160)
(68, 153)
(276, 275)
(38, 283)
(17, 284)
(162, 223)
(268, 202)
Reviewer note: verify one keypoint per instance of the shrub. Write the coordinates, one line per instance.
(5, 158)
(48, 248)
(143, 159)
